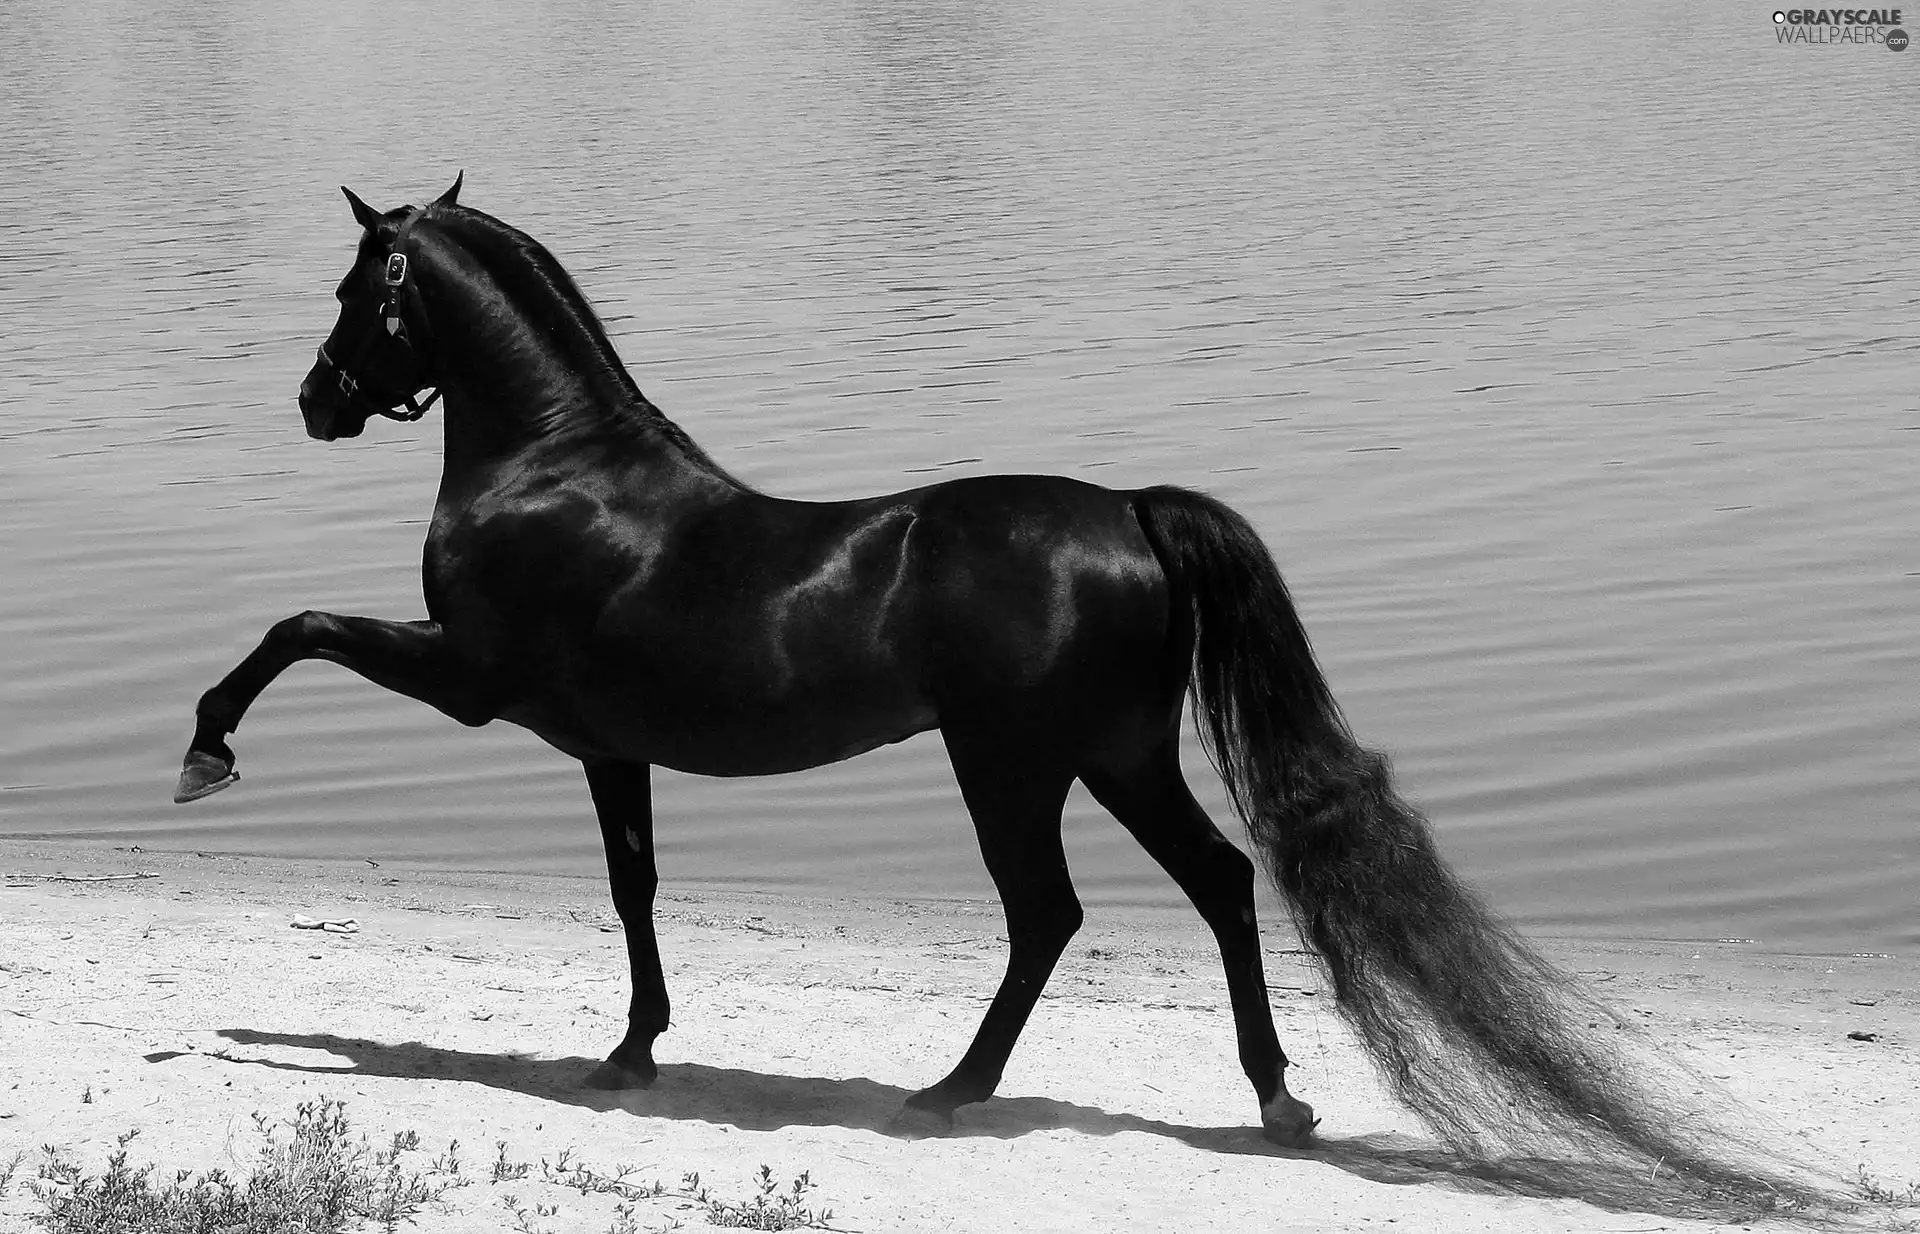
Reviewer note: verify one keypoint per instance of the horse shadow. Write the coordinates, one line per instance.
(762, 1101)
(729, 1096)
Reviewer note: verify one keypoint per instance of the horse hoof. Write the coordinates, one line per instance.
(914, 1123)
(1288, 1122)
(613, 1077)
(203, 775)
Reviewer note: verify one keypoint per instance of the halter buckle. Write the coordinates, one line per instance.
(396, 278)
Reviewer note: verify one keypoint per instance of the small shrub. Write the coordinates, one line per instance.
(313, 1178)
(505, 1171)
(771, 1209)
(523, 1217)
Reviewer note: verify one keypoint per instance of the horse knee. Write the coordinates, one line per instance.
(293, 634)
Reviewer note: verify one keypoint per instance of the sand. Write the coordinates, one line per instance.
(468, 1008)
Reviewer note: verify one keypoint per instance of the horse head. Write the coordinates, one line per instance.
(372, 363)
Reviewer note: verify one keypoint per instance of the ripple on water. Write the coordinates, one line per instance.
(1587, 468)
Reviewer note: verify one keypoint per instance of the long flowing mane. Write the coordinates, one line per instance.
(529, 275)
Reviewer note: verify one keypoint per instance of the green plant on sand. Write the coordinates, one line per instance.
(309, 1178)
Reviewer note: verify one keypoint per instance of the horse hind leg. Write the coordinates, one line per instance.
(1015, 804)
(1152, 801)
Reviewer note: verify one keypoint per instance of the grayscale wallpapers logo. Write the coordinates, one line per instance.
(1829, 27)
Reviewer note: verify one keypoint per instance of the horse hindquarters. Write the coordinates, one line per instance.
(1051, 651)
(1043, 609)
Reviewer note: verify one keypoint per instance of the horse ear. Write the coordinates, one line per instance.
(364, 214)
(452, 196)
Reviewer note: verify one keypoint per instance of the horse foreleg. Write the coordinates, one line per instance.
(413, 658)
(623, 797)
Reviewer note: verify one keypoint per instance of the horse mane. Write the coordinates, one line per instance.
(530, 275)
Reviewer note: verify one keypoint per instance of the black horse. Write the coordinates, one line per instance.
(592, 575)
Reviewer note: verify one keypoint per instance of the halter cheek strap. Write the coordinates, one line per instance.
(396, 277)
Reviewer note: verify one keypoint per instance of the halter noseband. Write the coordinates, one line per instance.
(389, 316)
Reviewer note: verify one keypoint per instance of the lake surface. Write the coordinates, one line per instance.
(1566, 354)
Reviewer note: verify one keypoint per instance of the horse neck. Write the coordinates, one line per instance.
(519, 375)
(480, 447)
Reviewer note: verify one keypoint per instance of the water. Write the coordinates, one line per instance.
(1565, 354)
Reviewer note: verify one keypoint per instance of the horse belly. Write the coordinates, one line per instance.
(700, 710)
(706, 740)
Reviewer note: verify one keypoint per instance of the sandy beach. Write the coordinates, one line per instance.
(468, 1008)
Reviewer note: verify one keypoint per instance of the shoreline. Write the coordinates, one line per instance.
(468, 1006)
(46, 854)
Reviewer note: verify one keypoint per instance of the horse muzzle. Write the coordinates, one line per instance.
(328, 416)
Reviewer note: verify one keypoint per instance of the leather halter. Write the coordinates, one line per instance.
(355, 389)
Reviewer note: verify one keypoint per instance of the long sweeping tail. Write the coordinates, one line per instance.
(1472, 1030)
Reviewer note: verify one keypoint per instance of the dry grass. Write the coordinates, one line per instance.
(311, 1176)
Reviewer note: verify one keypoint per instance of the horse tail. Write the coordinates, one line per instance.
(1472, 1030)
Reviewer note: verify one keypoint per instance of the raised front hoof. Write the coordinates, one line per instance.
(916, 1123)
(1288, 1123)
(203, 775)
(615, 1077)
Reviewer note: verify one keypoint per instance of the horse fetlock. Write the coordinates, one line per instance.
(645, 1022)
(209, 737)
(214, 716)
(630, 1065)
